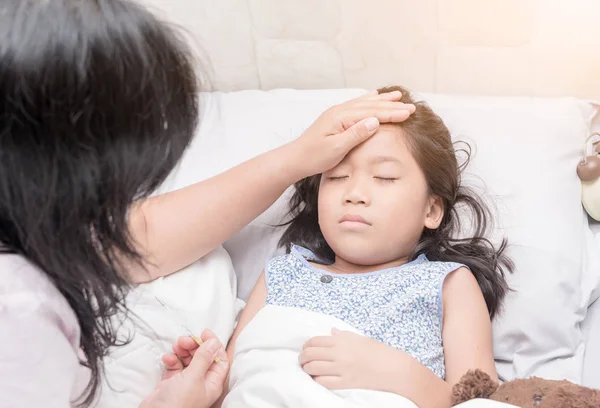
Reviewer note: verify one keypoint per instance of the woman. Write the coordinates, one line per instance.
(98, 101)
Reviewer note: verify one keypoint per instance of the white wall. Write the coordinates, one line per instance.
(516, 47)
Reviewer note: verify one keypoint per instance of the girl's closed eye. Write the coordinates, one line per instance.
(385, 179)
(336, 178)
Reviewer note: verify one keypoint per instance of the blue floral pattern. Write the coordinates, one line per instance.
(399, 306)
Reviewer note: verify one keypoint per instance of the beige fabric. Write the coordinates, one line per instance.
(508, 47)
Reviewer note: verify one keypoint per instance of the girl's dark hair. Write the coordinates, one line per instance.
(430, 143)
(98, 101)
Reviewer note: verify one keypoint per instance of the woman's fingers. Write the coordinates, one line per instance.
(180, 351)
(391, 105)
(172, 364)
(207, 334)
(374, 95)
(184, 349)
(204, 358)
(355, 135)
(186, 346)
(172, 361)
(217, 373)
(349, 117)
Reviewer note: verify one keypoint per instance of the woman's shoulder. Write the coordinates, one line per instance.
(19, 278)
(37, 328)
(25, 291)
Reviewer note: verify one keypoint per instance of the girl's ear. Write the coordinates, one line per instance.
(435, 213)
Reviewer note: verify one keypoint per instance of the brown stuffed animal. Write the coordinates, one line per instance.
(528, 393)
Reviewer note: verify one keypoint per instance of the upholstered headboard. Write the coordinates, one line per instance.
(508, 47)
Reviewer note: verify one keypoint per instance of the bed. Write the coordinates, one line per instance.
(271, 67)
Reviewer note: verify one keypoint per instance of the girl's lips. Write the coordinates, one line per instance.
(354, 218)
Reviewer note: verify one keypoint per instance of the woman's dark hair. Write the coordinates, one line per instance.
(98, 101)
(430, 143)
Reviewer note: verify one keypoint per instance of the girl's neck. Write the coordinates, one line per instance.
(341, 265)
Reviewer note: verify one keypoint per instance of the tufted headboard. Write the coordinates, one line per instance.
(508, 47)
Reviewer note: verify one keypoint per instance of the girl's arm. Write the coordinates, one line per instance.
(467, 331)
(256, 301)
(185, 347)
(467, 339)
(173, 230)
(346, 360)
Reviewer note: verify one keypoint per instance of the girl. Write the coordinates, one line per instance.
(98, 101)
(373, 242)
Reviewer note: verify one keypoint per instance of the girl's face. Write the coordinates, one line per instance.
(374, 205)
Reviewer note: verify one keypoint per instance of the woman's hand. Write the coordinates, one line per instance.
(192, 378)
(347, 360)
(342, 127)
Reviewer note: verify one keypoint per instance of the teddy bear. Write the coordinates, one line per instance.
(525, 393)
(588, 171)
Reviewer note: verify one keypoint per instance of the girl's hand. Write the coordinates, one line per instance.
(347, 360)
(341, 128)
(191, 379)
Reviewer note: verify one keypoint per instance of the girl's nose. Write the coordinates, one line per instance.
(357, 195)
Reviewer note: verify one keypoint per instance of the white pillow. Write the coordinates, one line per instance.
(525, 152)
(203, 295)
(591, 329)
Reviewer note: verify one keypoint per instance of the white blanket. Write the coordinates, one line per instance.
(266, 373)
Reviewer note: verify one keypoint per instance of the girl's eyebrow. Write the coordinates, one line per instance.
(384, 159)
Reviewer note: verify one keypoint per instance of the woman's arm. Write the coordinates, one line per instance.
(175, 229)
